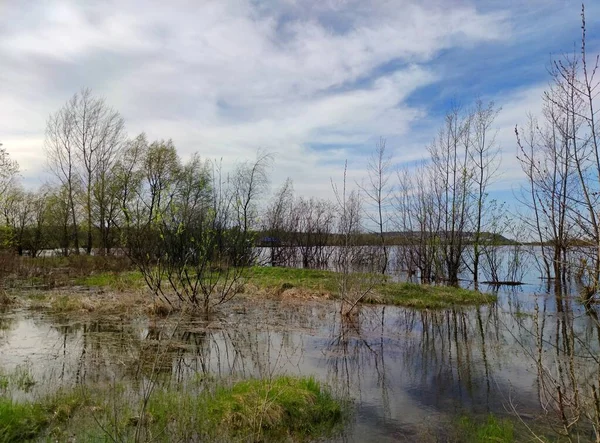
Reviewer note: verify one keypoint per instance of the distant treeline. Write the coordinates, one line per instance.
(393, 238)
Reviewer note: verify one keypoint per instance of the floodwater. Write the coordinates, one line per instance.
(409, 373)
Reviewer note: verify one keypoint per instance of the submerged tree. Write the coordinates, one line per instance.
(353, 286)
(279, 225)
(378, 192)
(561, 159)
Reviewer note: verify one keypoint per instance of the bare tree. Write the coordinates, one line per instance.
(83, 139)
(452, 178)
(128, 177)
(60, 147)
(279, 224)
(249, 183)
(484, 158)
(378, 191)
(353, 286)
(316, 223)
(9, 170)
(562, 162)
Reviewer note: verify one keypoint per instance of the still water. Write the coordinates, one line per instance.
(408, 372)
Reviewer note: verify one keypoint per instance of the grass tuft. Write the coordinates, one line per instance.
(19, 422)
(491, 429)
(278, 408)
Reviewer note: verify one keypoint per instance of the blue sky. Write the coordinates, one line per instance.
(316, 82)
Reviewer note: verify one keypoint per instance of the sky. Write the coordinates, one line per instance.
(315, 82)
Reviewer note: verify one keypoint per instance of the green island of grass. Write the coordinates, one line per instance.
(381, 290)
(294, 282)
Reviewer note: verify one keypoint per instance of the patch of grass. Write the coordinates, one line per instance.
(117, 281)
(22, 378)
(490, 429)
(286, 278)
(411, 295)
(5, 299)
(282, 409)
(66, 303)
(427, 297)
(20, 422)
(53, 272)
(277, 409)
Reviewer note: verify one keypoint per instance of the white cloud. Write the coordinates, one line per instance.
(226, 77)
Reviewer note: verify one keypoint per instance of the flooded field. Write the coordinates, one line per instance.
(408, 373)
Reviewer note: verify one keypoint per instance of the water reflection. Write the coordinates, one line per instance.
(408, 371)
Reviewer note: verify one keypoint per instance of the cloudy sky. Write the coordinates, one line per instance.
(314, 81)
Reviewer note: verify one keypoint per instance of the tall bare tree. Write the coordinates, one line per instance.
(484, 158)
(60, 147)
(83, 139)
(378, 191)
(452, 178)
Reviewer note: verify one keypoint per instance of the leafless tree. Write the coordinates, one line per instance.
(83, 140)
(484, 158)
(9, 170)
(562, 162)
(316, 220)
(378, 192)
(60, 146)
(250, 181)
(452, 178)
(353, 286)
(279, 225)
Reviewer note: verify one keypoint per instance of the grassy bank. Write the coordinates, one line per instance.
(281, 409)
(323, 283)
(115, 286)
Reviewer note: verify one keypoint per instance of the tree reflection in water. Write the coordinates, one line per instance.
(405, 369)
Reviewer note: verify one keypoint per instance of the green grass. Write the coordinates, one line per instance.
(317, 282)
(401, 294)
(427, 297)
(276, 409)
(281, 409)
(286, 278)
(118, 281)
(19, 422)
(488, 429)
